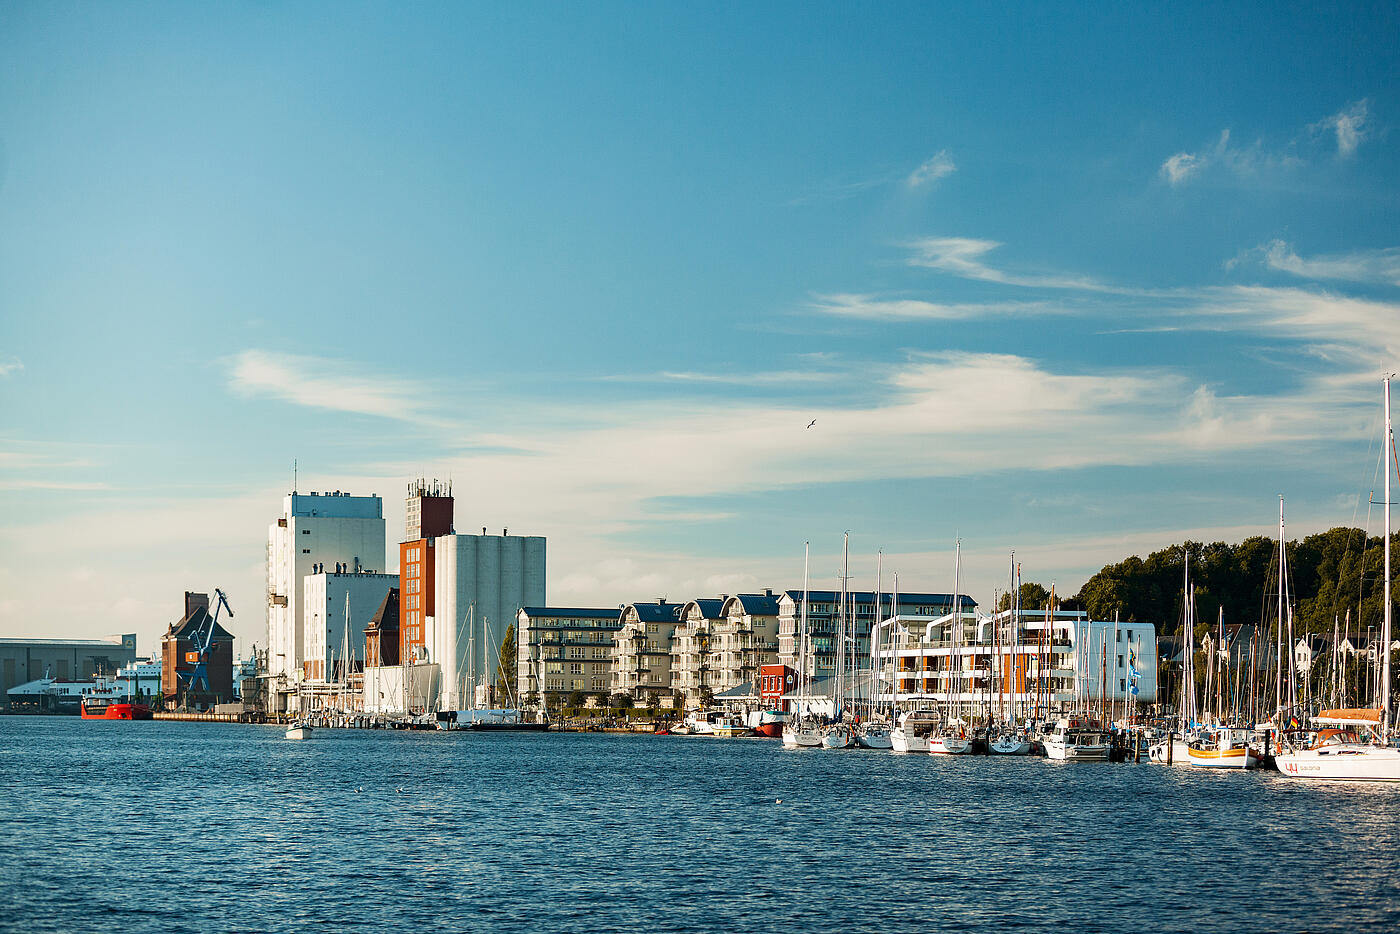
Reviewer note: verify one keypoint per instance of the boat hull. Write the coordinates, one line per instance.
(1223, 759)
(904, 741)
(1346, 763)
(801, 738)
(771, 730)
(116, 712)
(949, 746)
(875, 739)
(1009, 747)
(298, 731)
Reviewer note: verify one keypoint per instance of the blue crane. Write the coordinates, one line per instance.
(203, 639)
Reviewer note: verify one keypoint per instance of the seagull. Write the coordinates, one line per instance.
(811, 423)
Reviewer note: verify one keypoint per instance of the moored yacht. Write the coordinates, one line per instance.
(801, 733)
(911, 734)
(1076, 741)
(1222, 748)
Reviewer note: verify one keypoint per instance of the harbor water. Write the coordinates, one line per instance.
(173, 827)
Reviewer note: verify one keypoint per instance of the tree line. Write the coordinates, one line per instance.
(1331, 575)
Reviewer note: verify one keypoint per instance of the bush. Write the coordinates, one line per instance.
(575, 699)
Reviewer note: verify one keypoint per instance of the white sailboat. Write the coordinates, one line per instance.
(947, 741)
(1341, 754)
(802, 731)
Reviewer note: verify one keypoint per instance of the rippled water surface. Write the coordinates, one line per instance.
(170, 827)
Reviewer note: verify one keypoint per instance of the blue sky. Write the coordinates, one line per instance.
(1076, 282)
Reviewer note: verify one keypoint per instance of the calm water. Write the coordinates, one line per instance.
(169, 827)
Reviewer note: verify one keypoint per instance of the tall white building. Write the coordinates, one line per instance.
(329, 595)
(329, 530)
(480, 583)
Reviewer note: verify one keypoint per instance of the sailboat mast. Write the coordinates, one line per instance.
(1278, 649)
(1385, 624)
(804, 643)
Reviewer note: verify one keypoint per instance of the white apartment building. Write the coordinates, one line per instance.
(642, 659)
(824, 618)
(329, 595)
(559, 650)
(1030, 664)
(480, 583)
(721, 643)
(325, 530)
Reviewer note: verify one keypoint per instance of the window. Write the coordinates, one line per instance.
(575, 668)
(306, 551)
(576, 651)
(305, 531)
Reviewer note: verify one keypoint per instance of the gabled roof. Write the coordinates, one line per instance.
(386, 618)
(709, 609)
(758, 604)
(657, 612)
(197, 622)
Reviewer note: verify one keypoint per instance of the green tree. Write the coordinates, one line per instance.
(575, 699)
(506, 666)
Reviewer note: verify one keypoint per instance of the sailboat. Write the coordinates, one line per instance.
(839, 735)
(946, 741)
(802, 731)
(1339, 752)
(1173, 749)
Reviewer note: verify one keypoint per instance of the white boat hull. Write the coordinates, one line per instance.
(1066, 752)
(298, 731)
(836, 738)
(1181, 753)
(949, 746)
(901, 741)
(1008, 746)
(800, 737)
(874, 739)
(1342, 762)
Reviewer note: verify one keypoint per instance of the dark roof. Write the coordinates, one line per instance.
(868, 596)
(709, 609)
(572, 612)
(386, 618)
(196, 622)
(758, 604)
(658, 612)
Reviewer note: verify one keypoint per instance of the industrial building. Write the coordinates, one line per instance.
(27, 660)
(335, 531)
(197, 657)
(339, 605)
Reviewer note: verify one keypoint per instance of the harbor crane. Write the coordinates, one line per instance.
(203, 639)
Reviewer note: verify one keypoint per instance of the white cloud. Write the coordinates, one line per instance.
(868, 307)
(1381, 266)
(938, 167)
(1349, 125)
(10, 366)
(1180, 167)
(962, 256)
(327, 384)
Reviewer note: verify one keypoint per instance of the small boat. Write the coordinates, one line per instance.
(1076, 741)
(949, 744)
(1009, 744)
(729, 725)
(1222, 748)
(770, 723)
(873, 736)
(837, 736)
(801, 734)
(298, 729)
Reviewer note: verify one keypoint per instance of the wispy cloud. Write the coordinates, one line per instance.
(1181, 167)
(327, 384)
(938, 167)
(962, 256)
(10, 366)
(1350, 125)
(1382, 266)
(871, 308)
(762, 378)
